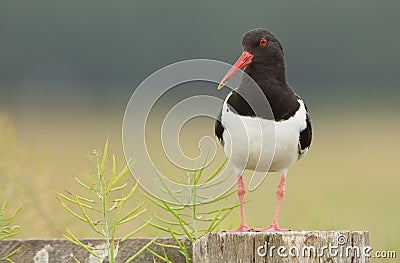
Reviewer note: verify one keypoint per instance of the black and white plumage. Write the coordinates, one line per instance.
(265, 140)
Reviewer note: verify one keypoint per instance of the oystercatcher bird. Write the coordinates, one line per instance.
(262, 60)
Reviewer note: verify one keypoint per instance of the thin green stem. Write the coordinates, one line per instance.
(193, 193)
(103, 197)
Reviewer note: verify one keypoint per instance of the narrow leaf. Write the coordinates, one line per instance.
(72, 212)
(119, 176)
(224, 209)
(221, 219)
(165, 258)
(173, 212)
(118, 187)
(164, 229)
(132, 211)
(88, 220)
(182, 249)
(11, 219)
(211, 227)
(135, 231)
(131, 218)
(82, 183)
(167, 221)
(220, 197)
(72, 200)
(154, 201)
(167, 246)
(216, 172)
(8, 257)
(140, 251)
(104, 159)
(200, 172)
(72, 238)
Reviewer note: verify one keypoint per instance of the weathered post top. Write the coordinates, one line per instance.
(293, 246)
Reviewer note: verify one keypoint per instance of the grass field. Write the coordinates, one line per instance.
(348, 180)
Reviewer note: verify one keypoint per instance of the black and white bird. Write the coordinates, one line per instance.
(267, 119)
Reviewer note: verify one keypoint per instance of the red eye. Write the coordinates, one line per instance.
(263, 42)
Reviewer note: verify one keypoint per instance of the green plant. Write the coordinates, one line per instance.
(25, 178)
(193, 218)
(8, 229)
(101, 210)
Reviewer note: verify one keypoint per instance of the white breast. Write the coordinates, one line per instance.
(262, 145)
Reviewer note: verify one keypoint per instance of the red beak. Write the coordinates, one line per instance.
(244, 60)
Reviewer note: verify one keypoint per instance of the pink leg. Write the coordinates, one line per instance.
(280, 192)
(241, 191)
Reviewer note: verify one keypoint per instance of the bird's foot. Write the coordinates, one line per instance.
(273, 227)
(241, 228)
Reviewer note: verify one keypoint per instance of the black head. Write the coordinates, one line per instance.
(262, 57)
(264, 46)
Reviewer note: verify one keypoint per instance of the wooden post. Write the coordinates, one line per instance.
(293, 246)
(60, 250)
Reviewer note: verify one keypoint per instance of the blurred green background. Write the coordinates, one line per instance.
(68, 69)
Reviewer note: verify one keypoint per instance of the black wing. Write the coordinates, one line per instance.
(305, 137)
(219, 129)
